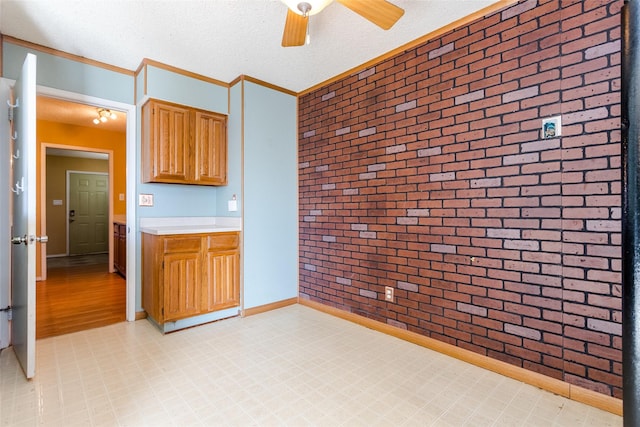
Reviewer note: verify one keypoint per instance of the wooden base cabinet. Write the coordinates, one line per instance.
(120, 248)
(185, 275)
(222, 271)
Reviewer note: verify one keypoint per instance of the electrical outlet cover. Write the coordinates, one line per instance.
(145, 199)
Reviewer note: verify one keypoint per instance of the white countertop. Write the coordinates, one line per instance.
(122, 219)
(189, 225)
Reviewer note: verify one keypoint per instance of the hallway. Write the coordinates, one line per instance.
(79, 294)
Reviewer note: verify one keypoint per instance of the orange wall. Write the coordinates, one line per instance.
(83, 136)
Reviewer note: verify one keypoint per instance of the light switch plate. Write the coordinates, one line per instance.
(233, 205)
(145, 199)
(121, 197)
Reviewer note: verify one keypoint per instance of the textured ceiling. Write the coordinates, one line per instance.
(222, 39)
(56, 110)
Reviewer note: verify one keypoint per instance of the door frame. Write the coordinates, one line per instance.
(43, 199)
(109, 209)
(131, 172)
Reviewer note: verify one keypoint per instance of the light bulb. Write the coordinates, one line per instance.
(96, 121)
(103, 119)
(113, 116)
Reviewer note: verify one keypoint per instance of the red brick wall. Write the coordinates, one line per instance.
(427, 173)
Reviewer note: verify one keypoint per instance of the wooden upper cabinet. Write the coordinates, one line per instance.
(183, 145)
(170, 142)
(211, 149)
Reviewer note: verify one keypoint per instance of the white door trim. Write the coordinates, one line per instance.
(131, 168)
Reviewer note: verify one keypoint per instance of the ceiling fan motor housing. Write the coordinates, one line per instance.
(304, 7)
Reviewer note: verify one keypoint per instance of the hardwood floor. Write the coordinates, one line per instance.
(78, 295)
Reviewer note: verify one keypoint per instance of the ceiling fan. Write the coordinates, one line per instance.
(296, 28)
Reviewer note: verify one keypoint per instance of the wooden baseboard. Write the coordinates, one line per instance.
(570, 391)
(141, 315)
(268, 307)
(595, 399)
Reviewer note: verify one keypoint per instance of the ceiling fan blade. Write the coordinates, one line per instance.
(380, 12)
(295, 29)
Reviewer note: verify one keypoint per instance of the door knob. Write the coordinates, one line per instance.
(31, 239)
(19, 240)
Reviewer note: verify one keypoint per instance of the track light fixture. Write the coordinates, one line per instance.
(104, 114)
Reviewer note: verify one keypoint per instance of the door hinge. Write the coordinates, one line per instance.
(9, 312)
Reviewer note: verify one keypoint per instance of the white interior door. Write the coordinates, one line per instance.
(23, 187)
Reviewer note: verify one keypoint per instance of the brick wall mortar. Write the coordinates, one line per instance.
(426, 172)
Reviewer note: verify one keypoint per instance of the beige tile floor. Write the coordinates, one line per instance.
(289, 367)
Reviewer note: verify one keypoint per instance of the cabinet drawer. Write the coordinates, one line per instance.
(223, 241)
(182, 244)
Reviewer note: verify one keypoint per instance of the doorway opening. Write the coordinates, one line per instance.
(78, 287)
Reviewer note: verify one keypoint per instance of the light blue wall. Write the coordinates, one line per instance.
(139, 87)
(268, 167)
(65, 74)
(175, 200)
(270, 196)
(234, 158)
(185, 90)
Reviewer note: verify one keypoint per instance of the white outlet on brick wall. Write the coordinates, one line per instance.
(388, 293)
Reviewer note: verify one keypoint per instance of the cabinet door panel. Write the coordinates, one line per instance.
(210, 148)
(116, 245)
(223, 280)
(122, 250)
(182, 285)
(171, 142)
